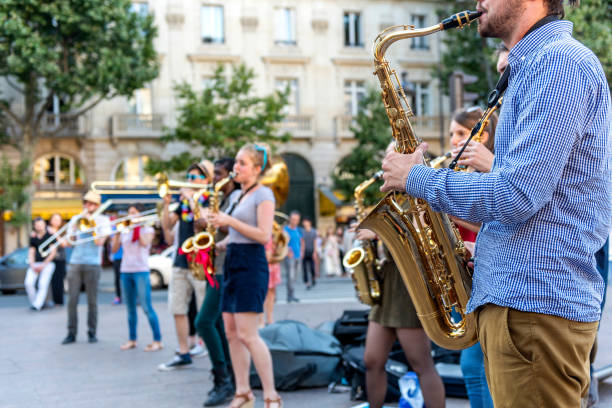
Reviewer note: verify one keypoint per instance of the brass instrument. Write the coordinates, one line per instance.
(476, 133)
(117, 226)
(205, 240)
(436, 163)
(280, 238)
(64, 234)
(361, 259)
(161, 186)
(277, 179)
(425, 245)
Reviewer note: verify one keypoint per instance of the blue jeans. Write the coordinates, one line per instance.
(136, 285)
(472, 367)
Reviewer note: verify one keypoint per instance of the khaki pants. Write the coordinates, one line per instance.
(533, 359)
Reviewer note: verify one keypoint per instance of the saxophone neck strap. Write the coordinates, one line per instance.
(502, 84)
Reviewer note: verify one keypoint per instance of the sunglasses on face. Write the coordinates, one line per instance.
(193, 177)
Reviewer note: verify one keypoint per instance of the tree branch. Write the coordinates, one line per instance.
(13, 85)
(90, 106)
(75, 115)
(43, 109)
(6, 109)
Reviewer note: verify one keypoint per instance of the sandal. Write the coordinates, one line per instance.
(155, 346)
(130, 344)
(278, 401)
(247, 400)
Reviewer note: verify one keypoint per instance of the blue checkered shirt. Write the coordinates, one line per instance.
(545, 206)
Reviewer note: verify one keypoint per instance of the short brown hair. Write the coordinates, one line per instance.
(555, 7)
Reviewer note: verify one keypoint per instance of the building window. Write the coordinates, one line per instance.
(419, 43)
(423, 99)
(207, 82)
(55, 170)
(284, 19)
(352, 29)
(293, 106)
(212, 24)
(132, 169)
(354, 92)
(140, 103)
(140, 8)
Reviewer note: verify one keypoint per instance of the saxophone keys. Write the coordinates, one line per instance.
(400, 123)
(392, 112)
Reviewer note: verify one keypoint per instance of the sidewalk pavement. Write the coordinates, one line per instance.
(36, 371)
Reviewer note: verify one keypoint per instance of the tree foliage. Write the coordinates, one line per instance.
(373, 134)
(81, 51)
(14, 180)
(466, 51)
(592, 27)
(220, 119)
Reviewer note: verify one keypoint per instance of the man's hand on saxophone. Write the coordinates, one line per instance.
(397, 166)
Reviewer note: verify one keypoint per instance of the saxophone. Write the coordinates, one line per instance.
(204, 242)
(475, 135)
(424, 244)
(361, 259)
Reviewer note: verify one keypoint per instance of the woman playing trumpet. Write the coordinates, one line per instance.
(182, 282)
(250, 220)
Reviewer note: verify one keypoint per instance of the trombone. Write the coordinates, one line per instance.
(62, 234)
(120, 225)
(162, 186)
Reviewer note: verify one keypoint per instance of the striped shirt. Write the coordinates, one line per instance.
(546, 204)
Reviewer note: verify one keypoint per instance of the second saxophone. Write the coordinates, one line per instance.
(361, 259)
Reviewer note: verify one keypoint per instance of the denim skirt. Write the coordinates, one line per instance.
(245, 278)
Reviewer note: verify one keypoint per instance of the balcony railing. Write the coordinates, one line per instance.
(342, 126)
(424, 126)
(70, 126)
(299, 126)
(133, 125)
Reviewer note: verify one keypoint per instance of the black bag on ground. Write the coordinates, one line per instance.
(302, 357)
(351, 327)
(447, 364)
(354, 373)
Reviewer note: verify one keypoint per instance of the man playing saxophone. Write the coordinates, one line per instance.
(544, 208)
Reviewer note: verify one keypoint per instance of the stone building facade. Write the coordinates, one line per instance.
(321, 49)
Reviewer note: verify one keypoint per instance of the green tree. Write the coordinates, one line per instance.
(373, 133)
(592, 27)
(14, 180)
(80, 51)
(466, 51)
(220, 119)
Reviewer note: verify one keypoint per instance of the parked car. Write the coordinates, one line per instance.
(13, 269)
(161, 267)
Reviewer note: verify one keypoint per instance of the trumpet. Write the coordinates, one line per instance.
(63, 234)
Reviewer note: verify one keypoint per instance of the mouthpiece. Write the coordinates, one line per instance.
(460, 19)
(378, 175)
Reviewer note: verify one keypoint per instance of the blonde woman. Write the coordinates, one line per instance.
(249, 218)
(332, 254)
